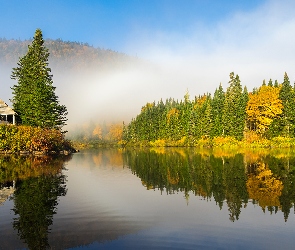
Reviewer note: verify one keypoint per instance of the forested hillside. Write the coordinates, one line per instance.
(69, 55)
(86, 78)
(263, 114)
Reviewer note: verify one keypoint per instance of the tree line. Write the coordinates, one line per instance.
(265, 113)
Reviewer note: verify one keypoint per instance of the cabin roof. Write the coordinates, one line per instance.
(5, 109)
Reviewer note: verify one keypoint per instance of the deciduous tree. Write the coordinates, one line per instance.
(262, 108)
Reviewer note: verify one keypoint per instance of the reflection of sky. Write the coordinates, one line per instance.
(107, 207)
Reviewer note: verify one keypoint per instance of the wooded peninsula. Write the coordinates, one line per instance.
(233, 118)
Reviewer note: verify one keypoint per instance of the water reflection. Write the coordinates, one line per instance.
(112, 198)
(37, 183)
(232, 178)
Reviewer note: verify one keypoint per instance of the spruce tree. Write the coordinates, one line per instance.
(217, 108)
(34, 98)
(234, 112)
(263, 82)
(288, 99)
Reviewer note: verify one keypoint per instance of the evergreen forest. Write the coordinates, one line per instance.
(263, 117)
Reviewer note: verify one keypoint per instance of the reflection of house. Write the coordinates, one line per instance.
(5, 193)
(7, 115)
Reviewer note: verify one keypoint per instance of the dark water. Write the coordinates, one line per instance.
(148, 199)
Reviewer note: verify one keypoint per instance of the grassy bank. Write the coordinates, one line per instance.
(229, 142)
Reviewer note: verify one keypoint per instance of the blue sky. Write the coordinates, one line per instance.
(194, 45)
(113, 24)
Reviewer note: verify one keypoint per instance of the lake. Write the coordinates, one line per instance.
(174, 198)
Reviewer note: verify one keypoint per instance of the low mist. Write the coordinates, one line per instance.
(256, 45)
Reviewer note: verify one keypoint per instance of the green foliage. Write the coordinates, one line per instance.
(287, 95)
(217, 110)
(234, 112)
(34, 98)
(224, 120)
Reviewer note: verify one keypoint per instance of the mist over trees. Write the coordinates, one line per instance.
(65, 54)
(233, 112)
(88, 79)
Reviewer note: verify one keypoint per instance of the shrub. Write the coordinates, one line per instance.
(282, 142)
(26, 138)
(158, 143)
(225, 141)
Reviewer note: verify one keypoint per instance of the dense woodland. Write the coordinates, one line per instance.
(230, 116)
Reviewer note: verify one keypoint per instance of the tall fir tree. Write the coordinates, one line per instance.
(234, 112)
(34, 98)
(217, 108)
(288, 99)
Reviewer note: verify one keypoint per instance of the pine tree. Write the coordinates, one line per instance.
(34, 98)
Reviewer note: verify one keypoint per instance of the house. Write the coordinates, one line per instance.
(7, 115)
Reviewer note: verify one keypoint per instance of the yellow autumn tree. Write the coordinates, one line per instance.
(147, 106)
(115, 132)
(263, 107)
(97, 132)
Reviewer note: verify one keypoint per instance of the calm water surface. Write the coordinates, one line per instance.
(148, 199)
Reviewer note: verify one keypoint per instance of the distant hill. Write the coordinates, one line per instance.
(69, 55)
(95, 84)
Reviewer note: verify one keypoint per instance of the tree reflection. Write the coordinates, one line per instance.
(268, 179)
(38, 183)
(35, 203)
(264, 187)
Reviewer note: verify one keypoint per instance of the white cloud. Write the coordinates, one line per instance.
(256, 45)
